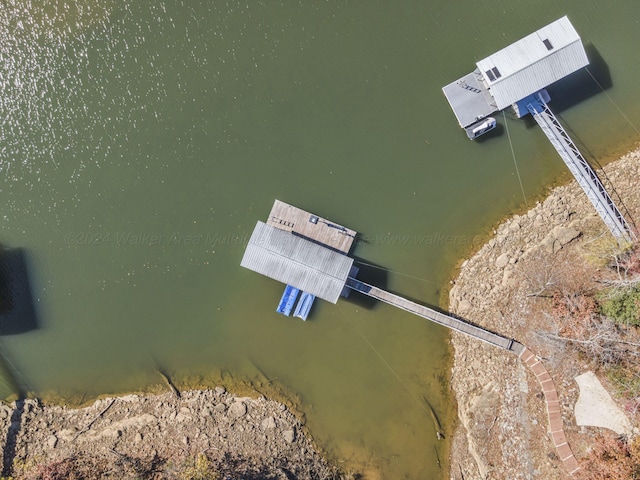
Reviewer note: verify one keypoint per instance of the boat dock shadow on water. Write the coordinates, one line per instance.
(18, 313)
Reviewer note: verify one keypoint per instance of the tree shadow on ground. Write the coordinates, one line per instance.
(9, 450)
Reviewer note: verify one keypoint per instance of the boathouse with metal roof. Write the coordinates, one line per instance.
(515, 72)
(309, 254)
(533, 63)
(297, 261)
(517, 76)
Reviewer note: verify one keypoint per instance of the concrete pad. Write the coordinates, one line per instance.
(596, 408)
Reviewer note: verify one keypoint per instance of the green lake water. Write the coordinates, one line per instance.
(141, 141)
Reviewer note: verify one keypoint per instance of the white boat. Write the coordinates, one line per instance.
(485, 125)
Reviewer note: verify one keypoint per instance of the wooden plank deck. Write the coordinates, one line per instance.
(320, 230)
(435, 316)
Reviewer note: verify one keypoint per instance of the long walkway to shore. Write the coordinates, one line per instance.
(440, 318)
(554, 411)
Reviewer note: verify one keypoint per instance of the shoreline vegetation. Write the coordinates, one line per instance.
(544, 278)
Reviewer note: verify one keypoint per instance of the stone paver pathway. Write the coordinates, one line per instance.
(554, 410)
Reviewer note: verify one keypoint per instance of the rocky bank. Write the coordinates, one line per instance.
(503, 424)
(161, 436)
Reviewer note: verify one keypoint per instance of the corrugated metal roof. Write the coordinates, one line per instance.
(533, 63)
(293, 260)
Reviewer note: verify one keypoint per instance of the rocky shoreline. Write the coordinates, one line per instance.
(503, 424)
(161, 436)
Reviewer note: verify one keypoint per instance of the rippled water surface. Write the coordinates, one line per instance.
(141, 141)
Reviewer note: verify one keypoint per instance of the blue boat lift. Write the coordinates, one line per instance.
(304, 305)
(288, 300)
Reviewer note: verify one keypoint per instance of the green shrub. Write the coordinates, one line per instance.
(626, 381)
(622, 306)
(199, 468)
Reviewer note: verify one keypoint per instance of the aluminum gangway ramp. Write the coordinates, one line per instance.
(437, 317)
(581, 170)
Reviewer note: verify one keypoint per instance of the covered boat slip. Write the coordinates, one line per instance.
(304, 251)
(515, 72)
(533, 62)
(296, 261)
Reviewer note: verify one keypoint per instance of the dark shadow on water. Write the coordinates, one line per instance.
(17, 315)
(368, 273)
(583, 84)
(17, 309)
(575, 88)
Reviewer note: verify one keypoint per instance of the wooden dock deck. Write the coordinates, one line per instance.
(317, 229)
(438, 317)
